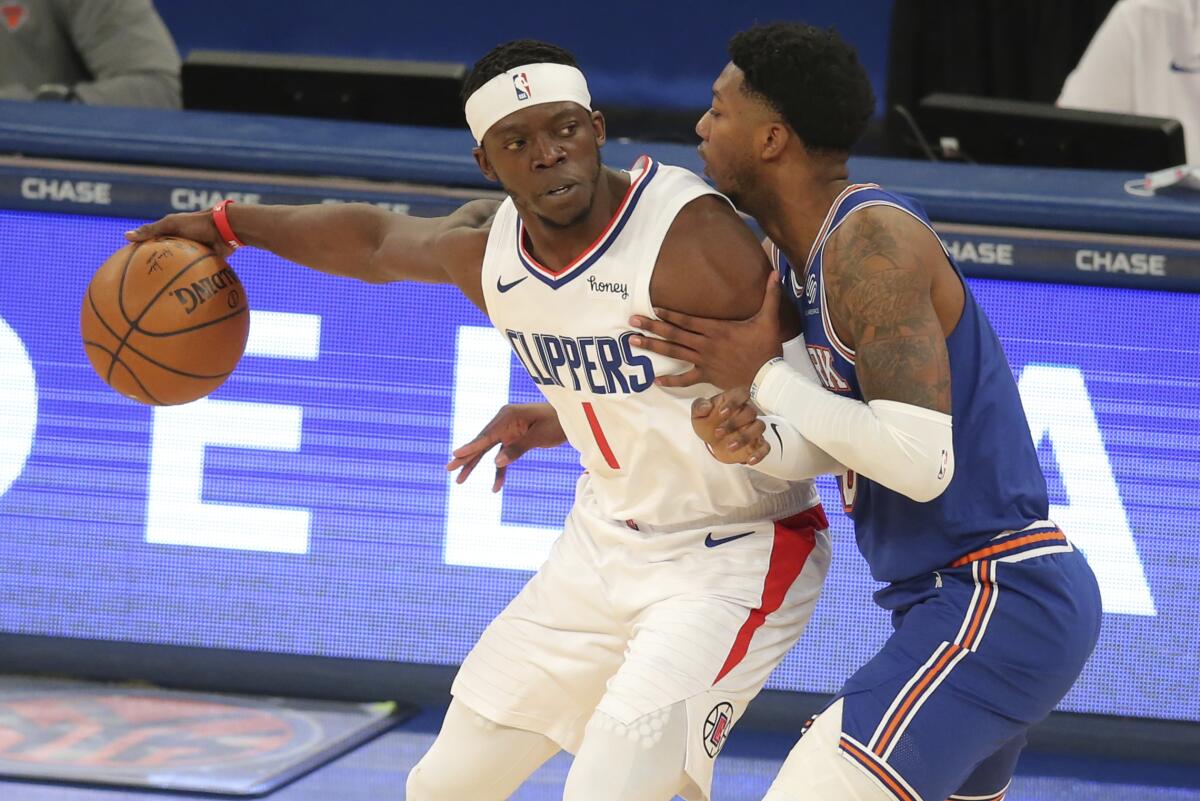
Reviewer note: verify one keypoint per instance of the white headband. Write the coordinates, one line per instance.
(521, 87)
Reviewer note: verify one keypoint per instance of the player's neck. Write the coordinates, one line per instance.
(797, 209)
(554, 246)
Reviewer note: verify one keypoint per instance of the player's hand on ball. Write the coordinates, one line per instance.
(728, 424)
(517, 428)
(197, 226)
(164, 321)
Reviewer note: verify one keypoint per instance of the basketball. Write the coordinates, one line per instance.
(164, 321)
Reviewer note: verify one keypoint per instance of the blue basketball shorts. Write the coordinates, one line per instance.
(980, 652)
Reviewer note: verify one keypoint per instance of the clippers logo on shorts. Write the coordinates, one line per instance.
(716, 728)
(521, 85)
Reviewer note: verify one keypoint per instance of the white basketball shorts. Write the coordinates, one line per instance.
(633, 621)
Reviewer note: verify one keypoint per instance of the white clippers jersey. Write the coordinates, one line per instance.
(571, 332)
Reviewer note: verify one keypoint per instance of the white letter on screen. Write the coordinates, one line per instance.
(176, 513)
(1059, 408)
(18, 406)
(475, 534)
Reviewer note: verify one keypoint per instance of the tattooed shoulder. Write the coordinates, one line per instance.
(879, 297)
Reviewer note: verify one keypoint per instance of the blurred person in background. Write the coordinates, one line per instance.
(99, 52)
(1145, 59)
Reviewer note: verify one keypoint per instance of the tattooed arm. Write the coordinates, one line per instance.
(892, 297)
(879, 276)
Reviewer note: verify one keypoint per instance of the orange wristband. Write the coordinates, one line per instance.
(222, 222)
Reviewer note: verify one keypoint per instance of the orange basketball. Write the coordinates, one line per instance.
(164, 321)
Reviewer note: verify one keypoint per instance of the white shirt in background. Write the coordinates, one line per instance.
(1145, 59)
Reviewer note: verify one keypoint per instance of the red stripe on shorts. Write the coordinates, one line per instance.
(795, 539)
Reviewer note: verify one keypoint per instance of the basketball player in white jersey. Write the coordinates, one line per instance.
(679, 581)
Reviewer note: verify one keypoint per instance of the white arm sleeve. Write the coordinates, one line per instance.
(792, 457)
(906, 448)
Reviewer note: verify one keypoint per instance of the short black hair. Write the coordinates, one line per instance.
(811, 77)
(517, 53)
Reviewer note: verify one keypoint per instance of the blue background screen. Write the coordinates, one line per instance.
(304, 508)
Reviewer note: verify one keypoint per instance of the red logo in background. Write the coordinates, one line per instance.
(118, 732)
(14, 14)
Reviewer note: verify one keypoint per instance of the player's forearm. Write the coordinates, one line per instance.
(340, 239)
(905, 448)
(792, 457)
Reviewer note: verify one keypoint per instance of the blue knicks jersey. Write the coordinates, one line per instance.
(998, 483)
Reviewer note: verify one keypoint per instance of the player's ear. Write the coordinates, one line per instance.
(600, 127)
(485, 166)
(773, 140)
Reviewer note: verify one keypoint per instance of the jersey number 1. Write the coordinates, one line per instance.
(601, 440)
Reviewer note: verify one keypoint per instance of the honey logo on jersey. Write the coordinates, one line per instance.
(611, 287)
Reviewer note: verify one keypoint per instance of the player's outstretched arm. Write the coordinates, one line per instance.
(355, 240)
(517, 428)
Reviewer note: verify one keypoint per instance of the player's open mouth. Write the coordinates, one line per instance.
(559, 191)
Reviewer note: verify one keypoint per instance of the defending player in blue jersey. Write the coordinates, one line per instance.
(995, 612)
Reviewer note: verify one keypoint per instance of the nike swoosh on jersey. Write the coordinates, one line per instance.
(1186, 65)
(775, 428)
(713, 542)
(503, 287)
